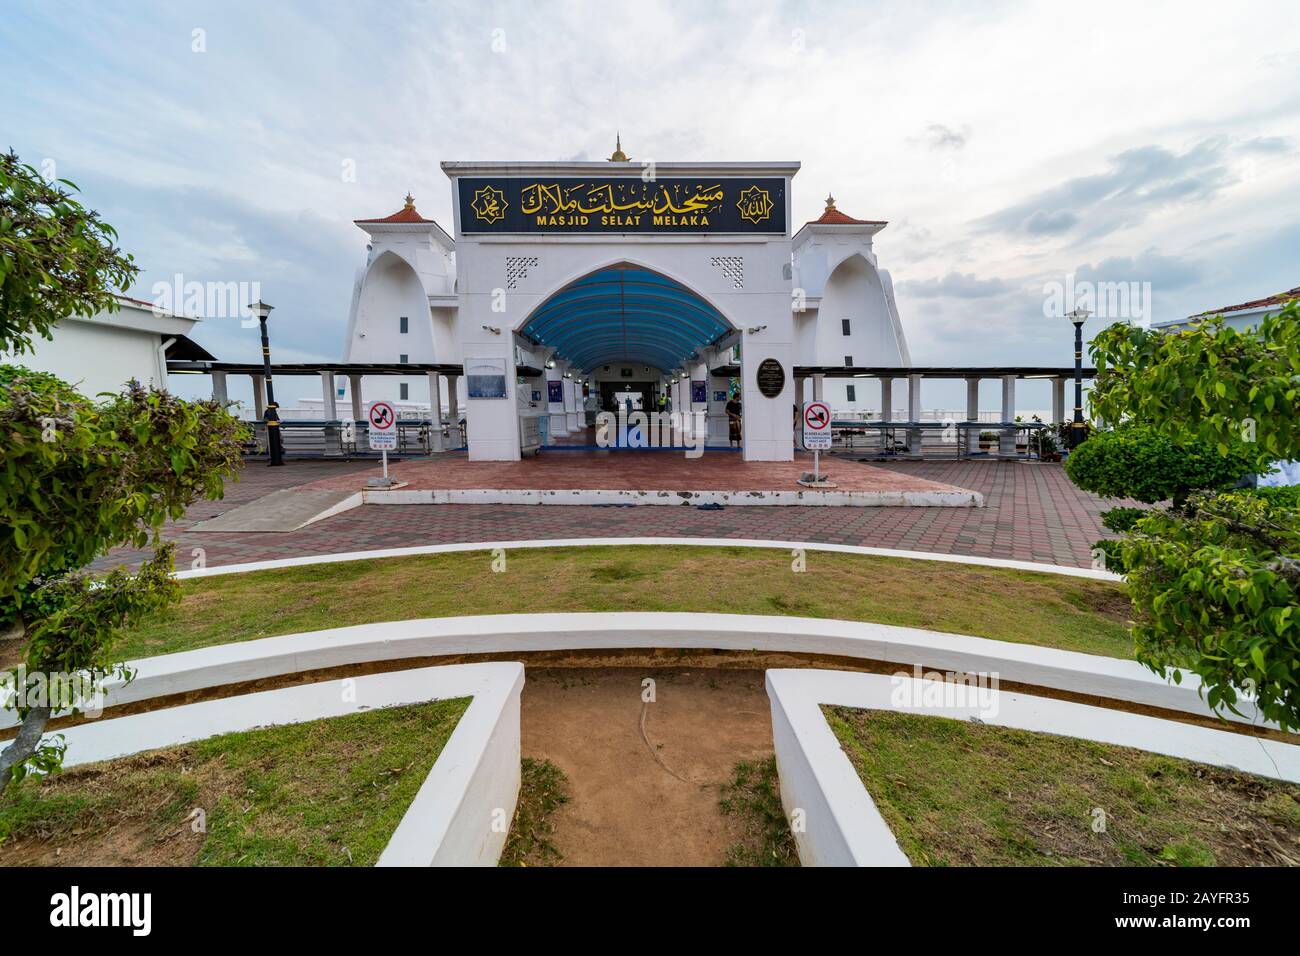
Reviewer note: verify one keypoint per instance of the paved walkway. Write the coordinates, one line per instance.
(1032, 513)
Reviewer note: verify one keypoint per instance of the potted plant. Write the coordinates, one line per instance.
(1022, 438)
(988, 441)
(1048, 448)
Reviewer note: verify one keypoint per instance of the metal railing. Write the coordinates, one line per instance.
(348, 439)
(937, 440)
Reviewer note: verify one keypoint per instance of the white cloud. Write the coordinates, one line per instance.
(937, 118)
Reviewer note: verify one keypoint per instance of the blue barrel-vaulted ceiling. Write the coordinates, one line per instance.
(625, 314)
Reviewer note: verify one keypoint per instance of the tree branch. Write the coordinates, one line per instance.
(25, 744)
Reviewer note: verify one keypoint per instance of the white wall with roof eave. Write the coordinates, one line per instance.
(101, 353)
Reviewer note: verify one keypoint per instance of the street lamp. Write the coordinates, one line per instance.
(274, 441)
(1077, 317)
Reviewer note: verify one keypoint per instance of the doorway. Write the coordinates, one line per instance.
(614, 396)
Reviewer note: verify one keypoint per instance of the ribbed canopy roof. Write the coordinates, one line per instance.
(625, 314)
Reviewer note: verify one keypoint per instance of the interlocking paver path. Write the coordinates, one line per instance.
(1032, 513)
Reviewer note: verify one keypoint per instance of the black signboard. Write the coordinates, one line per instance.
(534, 204)
(771, 378)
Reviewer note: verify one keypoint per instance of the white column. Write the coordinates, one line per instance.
(559, 420)
(259, 397)
(718, 409)
(435, 410)
(700, 373)
(675, 400)
(571, 403)
(800, 389)
(332, 437)
(819, 382)
(219, 393)
(358, 409)
(972, 413)
(914, 413)
(1058, 400)
(328, 405)
(455, 435)
(886, 409)
(1007, 440)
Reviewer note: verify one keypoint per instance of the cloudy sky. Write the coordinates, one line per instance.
(1008, 144)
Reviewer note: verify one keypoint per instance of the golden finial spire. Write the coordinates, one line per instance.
(619, 156)
(830, 203)
(410, 202)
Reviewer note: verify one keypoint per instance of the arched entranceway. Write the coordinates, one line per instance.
(637, 340)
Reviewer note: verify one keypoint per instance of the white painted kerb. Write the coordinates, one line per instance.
(513, 633)
(957, 498)
(1095, 574)
(450, 821)
(843, 827)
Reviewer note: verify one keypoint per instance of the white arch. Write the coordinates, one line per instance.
(391, 275)
(882, 278)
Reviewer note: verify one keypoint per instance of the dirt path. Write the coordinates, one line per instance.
(626, 807)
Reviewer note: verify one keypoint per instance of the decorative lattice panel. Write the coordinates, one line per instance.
(517, 269)
(732, 267)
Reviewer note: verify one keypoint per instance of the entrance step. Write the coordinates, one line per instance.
(654, 478)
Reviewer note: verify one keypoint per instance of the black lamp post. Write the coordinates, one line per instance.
(274, 441)
(1077, 317)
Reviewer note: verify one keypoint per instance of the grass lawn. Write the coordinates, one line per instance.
(325, 793)
(1072, 613)
(753, 799)
(543, 789)
(966, 794)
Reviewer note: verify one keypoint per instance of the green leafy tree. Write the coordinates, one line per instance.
(57, 258)
(80, 477)
(1140, 462)
(1208, 383)
(1215, 586)
(1215, 577)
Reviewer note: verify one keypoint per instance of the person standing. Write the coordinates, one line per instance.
(733, 420)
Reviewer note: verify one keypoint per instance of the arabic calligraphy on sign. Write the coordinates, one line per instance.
(490, 204)
(617, 204)
(755, 205)
(554, 203)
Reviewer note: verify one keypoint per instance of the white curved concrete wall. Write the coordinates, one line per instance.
(453, 819)
(841, 824)
(495, 633)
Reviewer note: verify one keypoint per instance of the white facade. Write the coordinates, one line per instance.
(105, 351)
(849, 316)
(425, 297)
(403, 306)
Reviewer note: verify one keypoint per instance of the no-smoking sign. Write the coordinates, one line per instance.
(383, 427)
(816, 426)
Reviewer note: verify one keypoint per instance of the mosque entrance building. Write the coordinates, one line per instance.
(570, 288)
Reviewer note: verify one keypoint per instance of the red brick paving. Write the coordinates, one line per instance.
(1032, 513)
(638, 471)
